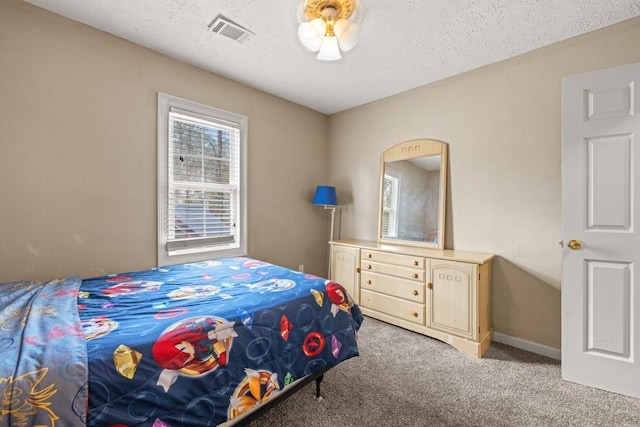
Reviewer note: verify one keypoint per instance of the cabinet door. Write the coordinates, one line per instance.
(451, 298)
(345, 261)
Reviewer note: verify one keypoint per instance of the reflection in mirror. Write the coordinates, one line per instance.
(411, 214)
(413, 185)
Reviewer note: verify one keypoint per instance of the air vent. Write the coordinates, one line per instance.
(230, 29)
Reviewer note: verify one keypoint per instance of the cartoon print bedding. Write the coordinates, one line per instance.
(187, 345)
(43, 366)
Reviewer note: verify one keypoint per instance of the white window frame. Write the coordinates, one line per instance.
(392, 210)
(238, 247)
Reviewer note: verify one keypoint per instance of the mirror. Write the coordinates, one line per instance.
(413, 184)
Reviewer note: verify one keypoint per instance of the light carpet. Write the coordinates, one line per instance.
(406, 379)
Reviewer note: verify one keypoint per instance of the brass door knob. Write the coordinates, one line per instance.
(574, 244)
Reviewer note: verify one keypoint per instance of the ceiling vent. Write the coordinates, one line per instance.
(230, 29)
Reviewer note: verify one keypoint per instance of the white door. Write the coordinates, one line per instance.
(600, 211)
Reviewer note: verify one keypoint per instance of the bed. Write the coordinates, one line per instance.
(208, 343)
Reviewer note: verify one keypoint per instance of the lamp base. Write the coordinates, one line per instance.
(333, 215)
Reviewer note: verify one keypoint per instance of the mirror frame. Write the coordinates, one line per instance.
(410, 150)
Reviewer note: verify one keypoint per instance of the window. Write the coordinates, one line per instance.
(390, 206)
(201, 185)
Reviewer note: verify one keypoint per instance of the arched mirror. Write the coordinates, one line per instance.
(413, 185)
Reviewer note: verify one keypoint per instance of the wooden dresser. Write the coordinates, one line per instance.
(444, 294)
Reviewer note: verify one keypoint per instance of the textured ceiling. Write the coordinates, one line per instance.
(403, 43)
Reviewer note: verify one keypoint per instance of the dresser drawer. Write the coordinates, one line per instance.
(391, 258)
(401, 288)
(400, 308)
(393, 270)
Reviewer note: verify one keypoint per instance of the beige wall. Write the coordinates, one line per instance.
(78, 164)
(503, 124)
(78, 143)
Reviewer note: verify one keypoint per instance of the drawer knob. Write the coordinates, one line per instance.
(369, 267)
(369, 255)
(415, 292)
(414, 313)
(416, 263)
(368, 282)
(430, 285)
(415, 275)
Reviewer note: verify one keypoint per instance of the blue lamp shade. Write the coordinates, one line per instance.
(325, 195)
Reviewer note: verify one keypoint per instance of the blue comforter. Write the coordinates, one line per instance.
(43, 367)
(202, 344)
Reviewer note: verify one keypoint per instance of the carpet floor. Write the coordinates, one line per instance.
(406, 379)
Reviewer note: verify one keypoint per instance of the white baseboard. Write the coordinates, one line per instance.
(543, 350)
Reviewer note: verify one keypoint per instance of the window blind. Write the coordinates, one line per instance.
(390, 206)
(203, 181)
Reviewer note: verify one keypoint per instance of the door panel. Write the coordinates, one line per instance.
(609, 182)
(600, 192)
(608, 320)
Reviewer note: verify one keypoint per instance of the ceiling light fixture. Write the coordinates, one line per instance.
(329, 26)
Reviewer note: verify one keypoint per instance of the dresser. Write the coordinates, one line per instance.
(444, 294)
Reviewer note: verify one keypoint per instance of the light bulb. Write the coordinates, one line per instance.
(347, 34)
(311, 34)
(329, 50)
